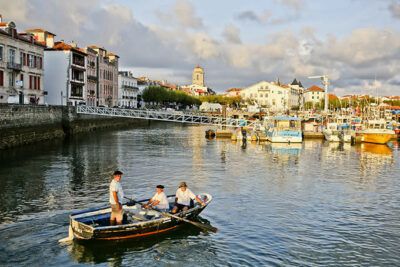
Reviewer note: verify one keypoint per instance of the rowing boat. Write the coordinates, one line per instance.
(94, 224)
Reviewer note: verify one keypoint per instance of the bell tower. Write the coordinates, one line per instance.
(198, 76)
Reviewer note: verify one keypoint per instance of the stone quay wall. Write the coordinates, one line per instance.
(24, 124)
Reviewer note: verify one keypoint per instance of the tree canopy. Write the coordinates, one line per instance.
(160, 95)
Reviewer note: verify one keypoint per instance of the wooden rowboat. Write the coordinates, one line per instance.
(94, 224)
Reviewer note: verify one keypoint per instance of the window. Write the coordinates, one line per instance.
(11, 80)
(11, 55)
(21, 78)
(31, 61)
(38, 83)
(30, 82)
(1, 78)
(1, 52)
(23, 59)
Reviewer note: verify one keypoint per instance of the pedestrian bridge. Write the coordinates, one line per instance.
(171, 116)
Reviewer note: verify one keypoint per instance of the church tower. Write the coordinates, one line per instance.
(198, 76)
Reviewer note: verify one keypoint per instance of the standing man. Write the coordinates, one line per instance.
(183, 197)
(116, 197)
(159, 200)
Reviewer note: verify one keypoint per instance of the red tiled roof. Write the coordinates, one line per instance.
(39, 30)
(315, 88)
(66, 47)
(234, 90)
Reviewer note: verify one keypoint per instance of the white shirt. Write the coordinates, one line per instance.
(116, 187)
(163, 201)
(185, 197)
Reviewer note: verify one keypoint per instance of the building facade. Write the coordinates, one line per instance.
(233, 92)
(267, 95)
(198, 76)
(21, 67)
(107, 65)
(92, 77)
(127, 90)
(296, 99)
(65, 66)
(314, 94)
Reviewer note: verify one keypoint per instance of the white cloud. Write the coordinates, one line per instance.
(296, 5)
(394, 9)
(249, 15)
(171, 51)
(232, 34)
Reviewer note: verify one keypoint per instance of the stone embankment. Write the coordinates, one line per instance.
(24, 124)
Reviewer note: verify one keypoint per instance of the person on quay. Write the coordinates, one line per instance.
(183, 197)
(116, 197)
(159, 200)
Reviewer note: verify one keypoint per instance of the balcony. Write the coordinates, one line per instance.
(14, 66)
(91, 77)
(130, 87)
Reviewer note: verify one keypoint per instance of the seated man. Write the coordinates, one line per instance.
(159, 200)
(183, 197)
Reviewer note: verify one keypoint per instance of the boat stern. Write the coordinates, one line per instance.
(80, 230)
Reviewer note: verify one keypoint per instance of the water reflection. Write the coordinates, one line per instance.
(113, 252)
(375, 159)
(318, 203)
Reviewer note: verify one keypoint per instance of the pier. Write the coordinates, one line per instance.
(170, 116)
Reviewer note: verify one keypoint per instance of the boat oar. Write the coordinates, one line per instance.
(166, 214)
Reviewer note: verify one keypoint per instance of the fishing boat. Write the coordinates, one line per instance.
(94, 224)
(337, 130)
(376, 132)
(284, 129)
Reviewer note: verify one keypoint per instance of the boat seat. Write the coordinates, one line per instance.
(138, 217)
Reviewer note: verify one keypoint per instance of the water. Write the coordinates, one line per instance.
(314, 204)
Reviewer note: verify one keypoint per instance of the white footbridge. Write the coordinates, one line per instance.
(171, 116)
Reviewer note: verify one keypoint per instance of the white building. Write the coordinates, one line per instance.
(127, 90)
(314, 94)
(296, 99)
(21, 66)
(210, 107)
(267, 95)
(65, 67)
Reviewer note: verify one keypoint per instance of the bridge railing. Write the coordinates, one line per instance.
(172, 116)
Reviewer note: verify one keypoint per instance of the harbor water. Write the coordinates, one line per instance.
(309, 204)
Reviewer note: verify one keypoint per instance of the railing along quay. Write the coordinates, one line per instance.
(171, 116)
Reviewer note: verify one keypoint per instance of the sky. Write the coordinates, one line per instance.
(238, 43)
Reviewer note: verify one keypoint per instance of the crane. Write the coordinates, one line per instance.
(325, 81)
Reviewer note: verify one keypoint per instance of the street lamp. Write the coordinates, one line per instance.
(325, 82)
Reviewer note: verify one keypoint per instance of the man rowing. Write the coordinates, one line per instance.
(116, 197)
(182, 198)
(159, 200)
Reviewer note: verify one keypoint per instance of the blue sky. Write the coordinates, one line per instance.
(355, 42)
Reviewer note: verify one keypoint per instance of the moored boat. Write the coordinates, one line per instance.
(376, 132)
(284, 129)
(94, 224)
(335, 132)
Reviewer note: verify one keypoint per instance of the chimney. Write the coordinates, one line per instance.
(73, 44)
(1, 18)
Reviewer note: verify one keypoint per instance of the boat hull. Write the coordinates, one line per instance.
(83, 231)
(335, 136)
(275, 136)
(376, 138)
